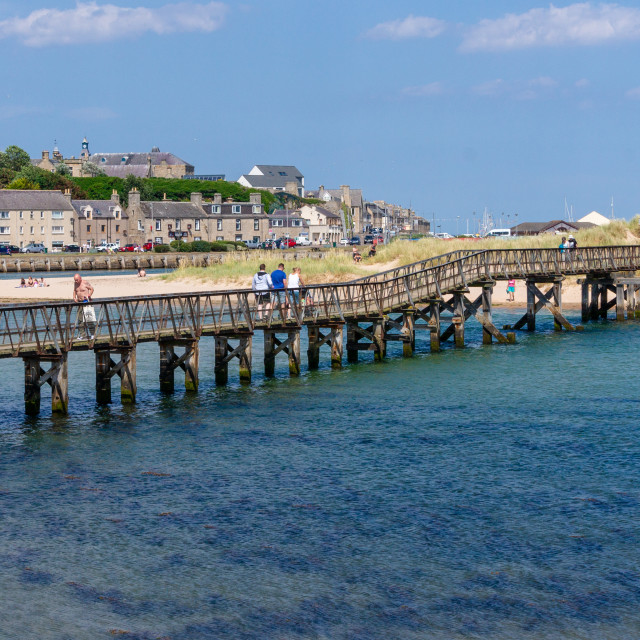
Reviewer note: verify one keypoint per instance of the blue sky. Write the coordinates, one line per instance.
(449, 107)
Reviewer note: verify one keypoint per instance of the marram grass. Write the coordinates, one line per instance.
(338, 265)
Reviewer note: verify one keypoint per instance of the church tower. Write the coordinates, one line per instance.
(85, 149)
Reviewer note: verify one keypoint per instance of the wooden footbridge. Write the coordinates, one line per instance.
(431, 295)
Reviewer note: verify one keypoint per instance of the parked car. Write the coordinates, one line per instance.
(303, 241)
(355, 240)
(108, 246)
(267, 244)
(344, 241)
(129, 247)
(148, 246)
(286, 243)
(253, 244)
(5, 250)
(71, 248)
(34, 247)
(368, 239)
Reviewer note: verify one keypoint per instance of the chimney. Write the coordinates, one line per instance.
(346, 194)
(196, 198)
(115, 197)
(321, 187)
(67, 195)
(255, 198)
(229, 199)
(217, 198)
(45, 155)
(164, 196)
(134, 198)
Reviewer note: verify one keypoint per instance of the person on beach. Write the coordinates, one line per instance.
(41, 283)
(30, 282)
(141, 272)
(511, 290)
(372, 251)
(261, 284)
(356, 254)
(23, 283)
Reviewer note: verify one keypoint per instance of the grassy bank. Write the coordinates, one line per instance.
(338, 264)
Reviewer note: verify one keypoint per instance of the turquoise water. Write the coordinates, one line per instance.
(491, 492)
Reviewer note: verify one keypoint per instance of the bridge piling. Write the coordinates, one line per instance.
(169, 362)
(56, 377)
(317, 339)
(104, 366)
(487, 294)
(409, 333)
(434, 325)
(273, 346)
(458, 319)
(127, 373)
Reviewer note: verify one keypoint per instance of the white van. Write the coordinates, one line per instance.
(499, 233)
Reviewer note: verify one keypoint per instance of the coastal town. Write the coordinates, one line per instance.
(54, 220)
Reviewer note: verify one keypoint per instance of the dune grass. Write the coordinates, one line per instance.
(337, 264)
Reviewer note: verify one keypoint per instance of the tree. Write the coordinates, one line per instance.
(23, 184)
(63, 170)
(91, 169)
(14, 158)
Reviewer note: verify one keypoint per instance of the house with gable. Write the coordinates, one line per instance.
(324, 226)
(274, 178)
(101, 221)
(337, 200)
(239, 221)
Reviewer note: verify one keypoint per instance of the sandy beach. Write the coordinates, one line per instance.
(111, 286)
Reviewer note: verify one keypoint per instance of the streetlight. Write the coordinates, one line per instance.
(457, 220)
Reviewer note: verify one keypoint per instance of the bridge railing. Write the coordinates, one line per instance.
(57, 327)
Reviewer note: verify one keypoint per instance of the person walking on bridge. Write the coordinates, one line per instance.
(82, 292)
(261, 284)
(279, 280)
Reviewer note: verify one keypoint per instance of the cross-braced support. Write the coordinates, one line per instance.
(402, 328)
(125, 368)
(595, 297)
(56, 377)
(224, 353)
(333, 338)
(374, 333)
(170, 361)
(273, 346)
(550, 300)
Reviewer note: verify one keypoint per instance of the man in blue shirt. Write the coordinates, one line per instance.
(279, 282)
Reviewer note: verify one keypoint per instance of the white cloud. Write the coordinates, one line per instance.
(634, 93)
(431, 89)
(491, 88)
(411, 27)
(583, 83)
(90, 22)
(577, 24)
(544, 82)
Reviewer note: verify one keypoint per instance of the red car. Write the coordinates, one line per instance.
(148, 246)
(287, 243)
(129, 247)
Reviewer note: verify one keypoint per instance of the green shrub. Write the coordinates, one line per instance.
(200, 246)
(162, 248)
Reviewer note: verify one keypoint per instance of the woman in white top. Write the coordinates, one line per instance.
(294, 282)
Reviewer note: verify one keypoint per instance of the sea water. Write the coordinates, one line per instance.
(486, 492)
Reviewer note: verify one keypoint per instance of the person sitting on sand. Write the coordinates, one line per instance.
(356, 255)
(41, 283)
(23, 283)
(141, 272)
(372, 251)
(30, 282)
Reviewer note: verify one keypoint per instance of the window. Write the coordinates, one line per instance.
(57, 244)
(5, 231)
(41, 229)
(197, 225)
(257, 208)
(102, 228)
(296, 223)
(197, 238)
(238, 237)
(236, 208)
(31, 229)
(177, 225)
(158, 225)
(117, 228)
(103, 159)
(256, 224)
(21, 230)
(256, 238)
(276, 223)
(219, 224)
(4, 215)
(282, 173)
(140, 227)
(116, 214)
(157, 240)
(57, 215)
(215, 208)
(41, 215)
(219, 237)
(31, 215)
(58, 229)
(88, 228)
(238, 224)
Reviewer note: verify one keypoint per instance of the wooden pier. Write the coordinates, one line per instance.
(432, 295)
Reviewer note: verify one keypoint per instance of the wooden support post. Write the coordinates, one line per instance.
(620, 317)
(336, 346)
(127, 373)
(531, 306)
(32, 386)
(294, 352)
(458, 319)
(487, 291)
(557, 301)
(313, 352)
(221, 363)
(244, 358)
(190, 365)
(59, 382)
(269, 356)
(594, 311)
(637, 302)
(352, 342)
(103, 376)
(434, 325)
(167, 355)
(604, 301)
(585, 301)
(631, 301)
(379, 342)
(408, 329)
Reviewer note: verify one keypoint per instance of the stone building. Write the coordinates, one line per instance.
(324, 225)
(337, 200)
(101, 221)
(239, 221)
(36, 216)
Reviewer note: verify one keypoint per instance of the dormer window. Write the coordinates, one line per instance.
(123, 159)
(236, 208)
(103, 159)
(88, 214)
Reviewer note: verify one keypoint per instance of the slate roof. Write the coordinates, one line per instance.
(115, 159)
(14, 199)
(325, 212)
(168, 210)
(101, 208)
(534, 228)
(272, 177)
(268, 182)
(336, 194)
(246, 209)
